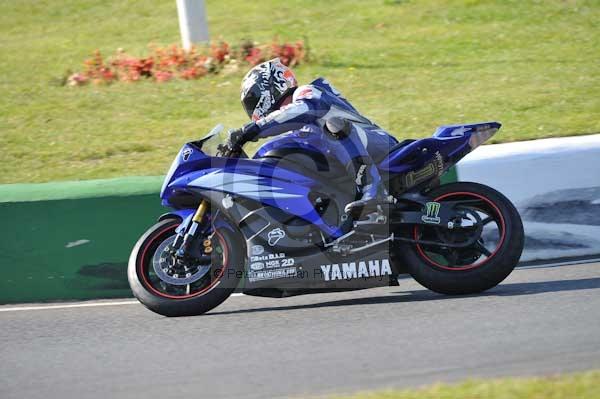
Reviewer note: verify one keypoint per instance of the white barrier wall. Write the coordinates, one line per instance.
(555, 184)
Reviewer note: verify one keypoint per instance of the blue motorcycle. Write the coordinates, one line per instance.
(274, 225)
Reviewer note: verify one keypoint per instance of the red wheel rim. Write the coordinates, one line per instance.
(143, 264)
(502, 226)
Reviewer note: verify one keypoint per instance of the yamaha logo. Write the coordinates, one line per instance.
(187, 153)
(351, 270)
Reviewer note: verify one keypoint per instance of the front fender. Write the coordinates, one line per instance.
(184, 216)
(181, 214)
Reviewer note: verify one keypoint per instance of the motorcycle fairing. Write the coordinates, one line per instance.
(451, 142)
(291, 262)
(297, 272)
(191, 160)
(282, 264)
(259, 181)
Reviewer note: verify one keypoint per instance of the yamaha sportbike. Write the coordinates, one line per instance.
(274, 225)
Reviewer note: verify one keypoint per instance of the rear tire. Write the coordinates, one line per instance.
(480, 275)
(191, 305)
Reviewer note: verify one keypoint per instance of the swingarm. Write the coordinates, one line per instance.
(454, 224)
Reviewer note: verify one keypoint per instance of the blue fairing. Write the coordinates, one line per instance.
(253, 179)
(275, 186)
(451, 142)
(465, 130)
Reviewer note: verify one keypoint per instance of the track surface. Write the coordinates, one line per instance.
(539, 321)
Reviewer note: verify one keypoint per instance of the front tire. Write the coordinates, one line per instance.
(468, 272)
(222, 281)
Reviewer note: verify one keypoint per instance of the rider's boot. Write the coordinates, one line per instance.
(368, 183)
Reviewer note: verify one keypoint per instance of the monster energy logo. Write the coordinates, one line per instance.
(432, 210)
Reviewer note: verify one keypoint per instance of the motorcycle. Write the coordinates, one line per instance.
(274, 225)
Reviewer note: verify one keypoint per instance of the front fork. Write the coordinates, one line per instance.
(184, 241)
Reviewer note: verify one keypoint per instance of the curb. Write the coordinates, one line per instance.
(555, 185)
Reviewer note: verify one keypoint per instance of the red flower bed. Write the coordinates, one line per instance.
(173, 62)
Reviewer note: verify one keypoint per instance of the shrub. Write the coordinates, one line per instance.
(163, 64)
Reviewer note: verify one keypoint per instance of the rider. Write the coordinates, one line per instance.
(272, 99)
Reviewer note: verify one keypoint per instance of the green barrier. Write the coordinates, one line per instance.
(71, 240)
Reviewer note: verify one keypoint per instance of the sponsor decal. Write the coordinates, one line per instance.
(348, 271)
(432, 210)
(187, 153)
(275, 235)
(265, 257)
(271, 266)
(433, 168)
(257, 266)
(271, 261)
(257, 250)
(227, 202)
(272, 274)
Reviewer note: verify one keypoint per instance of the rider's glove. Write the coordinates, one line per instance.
(236, 141)
(239, 137)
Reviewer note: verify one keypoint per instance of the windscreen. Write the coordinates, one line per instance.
(211, 141)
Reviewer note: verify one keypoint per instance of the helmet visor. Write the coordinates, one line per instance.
(251, 99)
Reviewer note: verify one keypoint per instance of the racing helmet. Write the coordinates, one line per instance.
(265, 86)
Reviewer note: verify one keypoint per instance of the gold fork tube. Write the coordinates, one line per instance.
(200, 212)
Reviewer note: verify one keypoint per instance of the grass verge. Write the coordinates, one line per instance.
(408, 65)
(570, 386)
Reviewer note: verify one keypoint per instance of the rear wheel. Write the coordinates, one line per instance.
(191, 289)
(489, 220)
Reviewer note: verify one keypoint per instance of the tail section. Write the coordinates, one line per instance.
(477, 133)
(420, 161)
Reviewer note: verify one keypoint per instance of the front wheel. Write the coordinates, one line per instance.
(191, 290)
(493, 256)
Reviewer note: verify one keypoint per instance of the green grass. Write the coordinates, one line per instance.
(409, 65)
(572, 386)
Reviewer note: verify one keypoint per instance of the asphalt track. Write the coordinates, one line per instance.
(541, 320)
